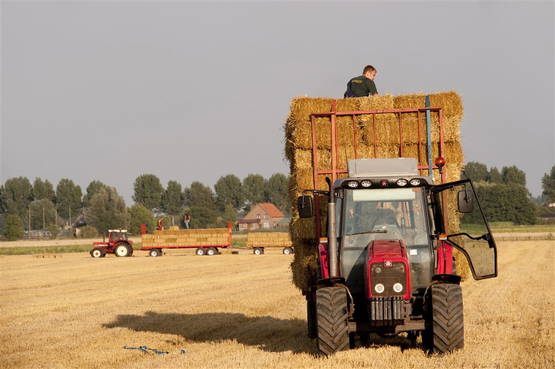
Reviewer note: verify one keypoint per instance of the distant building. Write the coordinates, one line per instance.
(264, 215)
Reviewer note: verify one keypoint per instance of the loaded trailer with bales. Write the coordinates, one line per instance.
(205, 241)
(259, 241)
(376, 203)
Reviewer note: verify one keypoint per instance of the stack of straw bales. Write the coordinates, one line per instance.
(378, 139)
(186, 237)
(269, 239)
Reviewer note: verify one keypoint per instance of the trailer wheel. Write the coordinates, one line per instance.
(444, 319)
(211, 251)
(123, 249)
(97, 253)
(155, 252)
(258, 251)
(200, 251)
(331, 318)
(287, 250)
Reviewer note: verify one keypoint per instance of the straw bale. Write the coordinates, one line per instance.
(186, 237)
(269, 239)
(305, 264)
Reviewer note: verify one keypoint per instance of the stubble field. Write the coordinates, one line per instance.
(241, 311)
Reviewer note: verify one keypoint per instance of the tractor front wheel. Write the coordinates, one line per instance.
(97, 253)
(332, 320)
(444, 319)
(123, 250)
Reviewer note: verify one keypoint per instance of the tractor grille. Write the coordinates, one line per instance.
(388, 276)
(386, 308)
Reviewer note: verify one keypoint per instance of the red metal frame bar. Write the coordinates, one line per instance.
(335, 171)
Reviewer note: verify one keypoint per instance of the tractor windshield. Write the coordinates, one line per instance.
(380, 214)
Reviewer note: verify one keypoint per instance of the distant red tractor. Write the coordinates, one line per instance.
(118, 244)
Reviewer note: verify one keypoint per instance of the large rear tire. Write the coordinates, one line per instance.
(123, 250)
(444, 319)
(332, 320)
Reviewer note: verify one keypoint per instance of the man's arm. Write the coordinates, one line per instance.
(371, 88)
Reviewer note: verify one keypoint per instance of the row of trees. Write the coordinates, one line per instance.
(503, 194)
(40, 206)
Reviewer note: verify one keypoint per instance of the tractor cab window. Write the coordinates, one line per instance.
(118, 236)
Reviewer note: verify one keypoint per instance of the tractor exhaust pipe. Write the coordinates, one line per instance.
(332, 235)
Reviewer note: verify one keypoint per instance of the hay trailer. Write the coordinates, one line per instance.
(117, 244)
(205, 241)
(386, 265)
(258, 241)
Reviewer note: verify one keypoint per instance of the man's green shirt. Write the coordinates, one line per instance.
(360, 86)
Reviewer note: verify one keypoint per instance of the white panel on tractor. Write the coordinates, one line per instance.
(398, 167)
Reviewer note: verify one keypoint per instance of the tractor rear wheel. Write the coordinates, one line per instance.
(444, 319)
(97, 253)
(331, 319)
(123, 250)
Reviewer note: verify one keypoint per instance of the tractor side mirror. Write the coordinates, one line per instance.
(305, 205)
(465, 201)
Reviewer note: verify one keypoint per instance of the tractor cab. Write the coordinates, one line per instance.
(115, 235)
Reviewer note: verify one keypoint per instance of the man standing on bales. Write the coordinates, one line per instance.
(363, 85)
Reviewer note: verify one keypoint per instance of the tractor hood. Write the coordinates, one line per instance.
(384, 249)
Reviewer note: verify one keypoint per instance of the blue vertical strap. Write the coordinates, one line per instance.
(429, 138)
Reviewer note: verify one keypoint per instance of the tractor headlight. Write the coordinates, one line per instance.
(402, 182)
(397, 287)
(352, 184)
(415, 182)
(379, 288)
(366, 183)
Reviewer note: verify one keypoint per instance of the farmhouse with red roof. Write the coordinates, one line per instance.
(264, 215)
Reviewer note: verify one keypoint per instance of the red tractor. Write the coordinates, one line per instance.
(386, 266)
(118, 244)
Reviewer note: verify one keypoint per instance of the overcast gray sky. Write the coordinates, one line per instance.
(193, 91)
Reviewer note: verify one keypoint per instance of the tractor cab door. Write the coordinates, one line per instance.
(474, 239)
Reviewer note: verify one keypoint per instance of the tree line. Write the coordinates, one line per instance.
(38, 205)
(504, 197)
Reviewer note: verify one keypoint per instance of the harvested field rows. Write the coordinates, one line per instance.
(241, 311)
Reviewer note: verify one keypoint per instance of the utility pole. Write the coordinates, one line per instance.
(69, 208)
(43, 219)
(29, 228)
